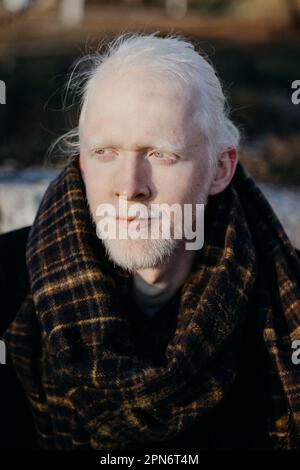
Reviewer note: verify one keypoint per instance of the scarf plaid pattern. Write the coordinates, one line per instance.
(73, 343)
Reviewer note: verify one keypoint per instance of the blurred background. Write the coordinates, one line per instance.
(253, 44)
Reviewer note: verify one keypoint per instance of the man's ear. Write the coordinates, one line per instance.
(224, 171)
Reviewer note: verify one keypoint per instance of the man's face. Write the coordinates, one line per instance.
(139, 140)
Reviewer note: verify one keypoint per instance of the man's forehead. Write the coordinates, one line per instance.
(138, 85)
(137, 77)
(168, 125)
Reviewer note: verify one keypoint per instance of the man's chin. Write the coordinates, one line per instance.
(133, 255)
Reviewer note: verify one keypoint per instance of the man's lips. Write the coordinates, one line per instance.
(130, 219)
(133, 221)
(125, 219)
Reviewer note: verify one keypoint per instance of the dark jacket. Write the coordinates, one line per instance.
(17, 428)
(239, 422)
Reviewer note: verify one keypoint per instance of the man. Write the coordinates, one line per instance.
(144, 342)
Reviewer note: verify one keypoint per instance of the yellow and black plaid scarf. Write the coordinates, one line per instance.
(73, 344)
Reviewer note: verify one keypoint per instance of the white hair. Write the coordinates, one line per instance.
(171, 57)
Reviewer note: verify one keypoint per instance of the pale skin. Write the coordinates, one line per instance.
(138, 138)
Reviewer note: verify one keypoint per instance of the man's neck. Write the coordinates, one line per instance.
(153, 287)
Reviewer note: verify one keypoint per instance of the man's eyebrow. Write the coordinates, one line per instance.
(180, 147)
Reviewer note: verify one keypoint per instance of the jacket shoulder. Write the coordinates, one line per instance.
(14, 283)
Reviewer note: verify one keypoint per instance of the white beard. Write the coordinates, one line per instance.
(132, 255)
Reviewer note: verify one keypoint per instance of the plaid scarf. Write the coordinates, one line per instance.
(73, 342)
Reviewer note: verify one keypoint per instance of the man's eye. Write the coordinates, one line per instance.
(159, 154)
(164, 156)
(103, 153)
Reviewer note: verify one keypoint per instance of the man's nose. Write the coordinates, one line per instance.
(132, 180)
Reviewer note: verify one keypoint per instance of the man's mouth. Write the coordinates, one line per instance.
(133, 220)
